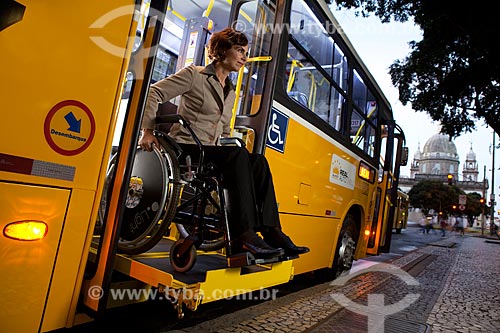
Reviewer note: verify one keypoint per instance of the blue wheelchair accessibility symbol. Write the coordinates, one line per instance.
(276, 131)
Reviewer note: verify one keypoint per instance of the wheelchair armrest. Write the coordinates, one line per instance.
(177, 118)
(232, 141)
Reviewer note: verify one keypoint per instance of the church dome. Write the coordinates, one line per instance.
(439, 146)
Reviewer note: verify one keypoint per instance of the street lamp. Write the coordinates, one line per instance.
(492, 196)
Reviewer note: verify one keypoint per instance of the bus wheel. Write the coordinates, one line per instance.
(398, 230)
(346, 247)
(182, 263)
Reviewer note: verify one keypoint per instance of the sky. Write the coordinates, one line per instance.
(379, 45)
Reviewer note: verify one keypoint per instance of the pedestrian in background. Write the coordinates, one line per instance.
(422, 224)
(443, 227)
(459, 226)
(429, 225)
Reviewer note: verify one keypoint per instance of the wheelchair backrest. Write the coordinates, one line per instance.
(165, 109)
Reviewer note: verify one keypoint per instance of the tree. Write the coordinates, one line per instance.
(473, 208)
(434, 195)
(453, 73)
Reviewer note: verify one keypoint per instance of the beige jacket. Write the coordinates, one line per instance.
(202, 103)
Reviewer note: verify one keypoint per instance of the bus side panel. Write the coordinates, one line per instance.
(311, 230)
(70, 262)
(302, 178)
(62, 68)
(64, 65)
(26, 266)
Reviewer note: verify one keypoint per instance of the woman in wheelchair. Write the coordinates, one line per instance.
(207, 98)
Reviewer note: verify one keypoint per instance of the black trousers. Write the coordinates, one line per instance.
(247, 181)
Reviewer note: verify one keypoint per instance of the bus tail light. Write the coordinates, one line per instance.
(26, 230)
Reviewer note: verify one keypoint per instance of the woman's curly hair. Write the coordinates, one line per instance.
(224, 40)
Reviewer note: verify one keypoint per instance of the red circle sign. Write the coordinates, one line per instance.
(78, 136)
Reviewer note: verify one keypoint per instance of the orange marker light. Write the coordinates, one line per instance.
(364, 173)
(26, 230)
(367, 232)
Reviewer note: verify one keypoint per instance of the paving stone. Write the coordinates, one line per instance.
(457, 293)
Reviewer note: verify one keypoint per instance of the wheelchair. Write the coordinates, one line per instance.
(168, 185)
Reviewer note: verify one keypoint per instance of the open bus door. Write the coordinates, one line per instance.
(396, 155)
(210, 279)
(102, 261)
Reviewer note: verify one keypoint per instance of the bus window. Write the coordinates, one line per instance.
(364, 116)
(363, 132)
(310, 34)
(164, 66)
(255, 19)
(358, 90)
(316, 67)
(340, 72)
(319, 45)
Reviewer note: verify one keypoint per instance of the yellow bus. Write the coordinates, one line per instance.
(401, 214)
(75, 77)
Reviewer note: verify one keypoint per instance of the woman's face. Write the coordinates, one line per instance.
(236, 57)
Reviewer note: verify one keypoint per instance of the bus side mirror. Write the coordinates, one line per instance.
(404, 156)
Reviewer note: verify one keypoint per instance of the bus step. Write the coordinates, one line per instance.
(248, 259)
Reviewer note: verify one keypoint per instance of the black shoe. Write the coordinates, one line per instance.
(276, 237)
(249, 241)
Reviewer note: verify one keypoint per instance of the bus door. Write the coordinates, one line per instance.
(254, 88)
(401, 215)
(393, 155)
(383, 201)
(400, 158)
(145, 35)
(187, 27)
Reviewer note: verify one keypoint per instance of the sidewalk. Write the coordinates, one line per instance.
(457, 292)
(470, 301)
(455, 282)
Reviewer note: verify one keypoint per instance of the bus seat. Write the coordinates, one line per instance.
(299, 97)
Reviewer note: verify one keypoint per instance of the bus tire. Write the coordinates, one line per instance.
(147, 216)
(398, 230)
(346, 247)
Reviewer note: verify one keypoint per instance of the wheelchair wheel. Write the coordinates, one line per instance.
(182, 263)
(151, 199)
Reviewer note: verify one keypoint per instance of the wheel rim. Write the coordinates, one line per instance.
(346, 250)
(182, 263)
(159, 173)
(146, 196)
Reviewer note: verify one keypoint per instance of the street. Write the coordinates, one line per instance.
(157, 316)
(412, 238)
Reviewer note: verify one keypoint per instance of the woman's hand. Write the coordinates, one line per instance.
(147, 140)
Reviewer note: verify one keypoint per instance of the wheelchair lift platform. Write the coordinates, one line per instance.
(209, 280)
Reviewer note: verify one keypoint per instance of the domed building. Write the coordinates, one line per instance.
(438, 158)
(436, 161)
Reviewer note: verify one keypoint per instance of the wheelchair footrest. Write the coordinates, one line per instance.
(248, 259)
